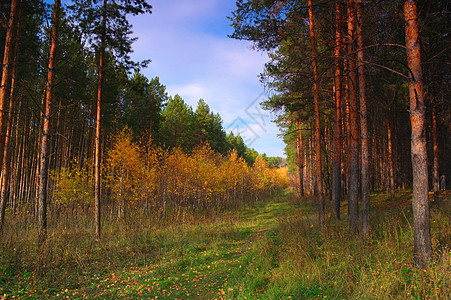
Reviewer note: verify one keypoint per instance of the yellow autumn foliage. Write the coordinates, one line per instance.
(138, 173)
(73, 185)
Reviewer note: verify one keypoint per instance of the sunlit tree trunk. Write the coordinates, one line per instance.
(365, 182)
(7, 60)
(300, 154)
(97, 155)
(391, 164)
(45, 143)
(353, 192)
(336, 169)
(420, 201)
(347, 125)
(38, 155)
(6, 157)
(319, 177)
(16, 159)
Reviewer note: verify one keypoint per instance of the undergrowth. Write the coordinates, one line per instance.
(269, 250)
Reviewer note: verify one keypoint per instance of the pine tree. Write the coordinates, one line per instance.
(420, 201)
(48, 114)
(106, 26)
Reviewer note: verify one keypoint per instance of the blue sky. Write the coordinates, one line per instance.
(191, 53)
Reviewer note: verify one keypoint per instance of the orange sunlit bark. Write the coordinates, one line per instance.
(45, 142)
(336, 171)
(353, 193)
(420, 201)
(319, 177)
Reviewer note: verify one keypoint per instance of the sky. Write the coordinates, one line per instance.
(187, 42)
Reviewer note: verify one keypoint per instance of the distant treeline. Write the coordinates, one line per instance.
(69, 88)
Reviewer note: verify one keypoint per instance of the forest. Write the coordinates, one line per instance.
(112, 188)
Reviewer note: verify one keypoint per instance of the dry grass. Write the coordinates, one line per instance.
(270, 250)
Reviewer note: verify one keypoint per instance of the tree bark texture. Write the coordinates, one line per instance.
(300, 154)
(38, 156)
(365, 161)
(347, 124)
(336, 168)
(391, 163)
(319, 177)
(45, 143)
(435, 166)
(7, 60)
(353, 192)
(97, 154)
(420, 201)
(9, 125)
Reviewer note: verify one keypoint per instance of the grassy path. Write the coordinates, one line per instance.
(271, 250)
(197, 262)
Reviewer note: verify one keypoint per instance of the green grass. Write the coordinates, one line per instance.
(269, 250)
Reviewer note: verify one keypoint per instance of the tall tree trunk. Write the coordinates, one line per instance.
(16, 159)
(336, 169)
(347, 125)
(82, 146)
(7, 59)
(319, 177)
(19, 159)
(300, 154)
(435, 166)
(97, 158)
(354, 122)
(6, 157)
(365, 182)
(391, 164)
(45, 143)
(420, 201)
(38, 155)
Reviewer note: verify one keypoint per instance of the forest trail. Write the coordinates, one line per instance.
(243, 253)
(203, 261)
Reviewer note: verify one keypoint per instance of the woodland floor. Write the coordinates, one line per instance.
(207, 263)
(239, 255)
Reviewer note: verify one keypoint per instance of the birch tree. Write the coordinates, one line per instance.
(106, 27)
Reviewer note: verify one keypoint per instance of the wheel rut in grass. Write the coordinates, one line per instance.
(204, 261)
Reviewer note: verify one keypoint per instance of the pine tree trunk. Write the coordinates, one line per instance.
(420, 201)
(7, 59)
(365, 183)
(6, 157)
(97, 158)
(38, 155)
(15, 159)
(353, 192)
(345, 125)
(435, 166)
(20, 169)
(97, 149)
(318, 159)
(336, 168)
(45, 143)
(391, 164)
(300, 154)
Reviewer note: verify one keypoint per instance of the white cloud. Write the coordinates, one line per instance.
(190, 52)
(191, 92)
